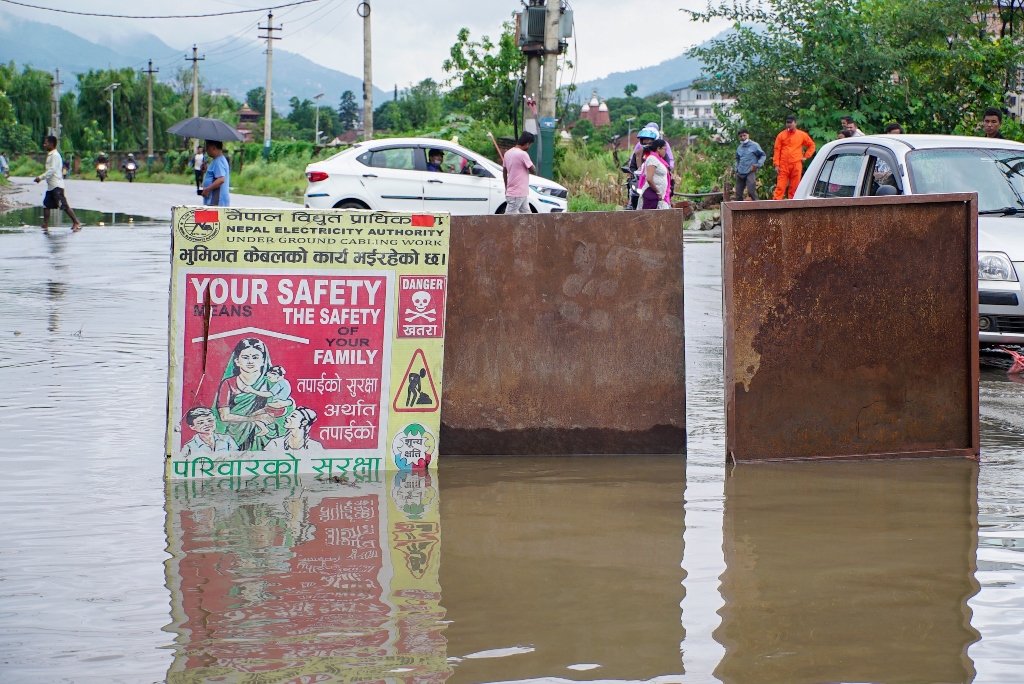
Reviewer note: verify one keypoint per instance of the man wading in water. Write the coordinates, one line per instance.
(54, 177)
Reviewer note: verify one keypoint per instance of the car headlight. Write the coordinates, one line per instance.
(549, 191)
(995, 266)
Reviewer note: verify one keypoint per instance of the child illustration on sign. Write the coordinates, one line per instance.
(298, 425)
(278, 396)
(242, 413)
(206, 439)
(415, 394)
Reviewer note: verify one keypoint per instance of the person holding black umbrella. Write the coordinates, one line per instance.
(217, 182)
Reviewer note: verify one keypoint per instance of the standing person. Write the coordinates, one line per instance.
(991, 122)
(842, 134)
(789, 156)
(517, 167)
(5, 168)
(749, 158)
(851, 127)
(656, 173)
(893, 129)
(54, 177)
(216, 190)
(198, 163)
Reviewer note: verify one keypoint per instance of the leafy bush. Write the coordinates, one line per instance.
(584, 202)
(26, 166)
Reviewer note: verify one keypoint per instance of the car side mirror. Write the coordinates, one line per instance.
(481, 172)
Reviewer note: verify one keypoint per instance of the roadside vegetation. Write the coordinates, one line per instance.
(933, 67)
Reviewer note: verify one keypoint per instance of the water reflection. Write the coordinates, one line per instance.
(849, 572)
(296, 580)
(576, 558)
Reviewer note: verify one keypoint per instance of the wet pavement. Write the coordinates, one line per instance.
(146, 199)
(494, 569)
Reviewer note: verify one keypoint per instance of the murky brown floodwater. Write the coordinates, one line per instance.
(543, 569)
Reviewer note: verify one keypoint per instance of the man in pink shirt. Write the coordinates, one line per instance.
(518, 167)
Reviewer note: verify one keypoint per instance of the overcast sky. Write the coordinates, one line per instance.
(411, 38)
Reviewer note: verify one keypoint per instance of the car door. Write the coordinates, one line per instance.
(393, 177)
(841, 174)
(882, 170)
(461, 187)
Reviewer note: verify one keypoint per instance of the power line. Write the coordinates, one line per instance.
(166, 16)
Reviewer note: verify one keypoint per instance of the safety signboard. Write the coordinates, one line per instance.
(292, 333)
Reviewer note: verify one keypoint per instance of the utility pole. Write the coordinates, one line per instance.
(268, 106)
(149, 125)
(110, 89)
(316, 125)
(195, 78)
(532, 66)
(549, 84)
(363, 10)
(55, 127)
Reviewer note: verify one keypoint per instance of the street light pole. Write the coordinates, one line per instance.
(629, 130)
(110, 89)
(661, 106)
(316, 126)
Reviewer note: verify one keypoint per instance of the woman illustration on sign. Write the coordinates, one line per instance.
(298, 425)
(243, 413)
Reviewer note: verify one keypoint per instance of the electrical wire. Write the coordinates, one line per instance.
(166, 16)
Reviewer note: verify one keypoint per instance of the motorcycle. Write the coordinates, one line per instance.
(129, 171)
(101, 171)
(632, 195)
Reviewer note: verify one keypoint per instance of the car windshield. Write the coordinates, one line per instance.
(996, 175)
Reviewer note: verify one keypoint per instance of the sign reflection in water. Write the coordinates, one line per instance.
(301, 580)
(849, 572)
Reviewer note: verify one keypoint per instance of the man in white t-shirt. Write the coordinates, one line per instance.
(517, 169)
(851, 127)
(198, 164)
(54, 177)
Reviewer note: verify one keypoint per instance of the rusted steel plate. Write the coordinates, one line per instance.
(848, 572)
(564, 334)
(851, 328)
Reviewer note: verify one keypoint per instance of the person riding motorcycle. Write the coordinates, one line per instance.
(101, 166)
(129, 166)
(636, 160)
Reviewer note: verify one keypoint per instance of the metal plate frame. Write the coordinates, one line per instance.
(905, 376)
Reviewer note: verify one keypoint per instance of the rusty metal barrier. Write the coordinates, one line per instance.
(564, 335)
(851, 328)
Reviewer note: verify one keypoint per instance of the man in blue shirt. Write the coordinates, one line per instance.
(217, 182)
(749, 156)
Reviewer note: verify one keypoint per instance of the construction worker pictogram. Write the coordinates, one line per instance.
(416, 393)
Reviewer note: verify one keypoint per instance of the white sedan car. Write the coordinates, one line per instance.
(923, 164)
(391, 175)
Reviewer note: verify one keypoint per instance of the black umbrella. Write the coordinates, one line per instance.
(206, 129)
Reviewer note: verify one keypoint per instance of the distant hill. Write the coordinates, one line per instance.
(672, 73)
(48, 47)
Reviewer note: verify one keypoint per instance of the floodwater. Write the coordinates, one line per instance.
(543, 569)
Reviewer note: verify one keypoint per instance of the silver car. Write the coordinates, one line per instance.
(925, 164)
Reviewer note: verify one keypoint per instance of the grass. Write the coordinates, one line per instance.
(584, 202)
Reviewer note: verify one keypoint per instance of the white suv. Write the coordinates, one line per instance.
(391, 175)
(923, 164)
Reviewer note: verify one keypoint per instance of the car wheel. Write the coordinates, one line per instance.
(501, 209)
(350, 204)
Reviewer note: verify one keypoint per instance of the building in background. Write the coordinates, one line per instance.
(595, 111)
(248, 118)
(697, 107)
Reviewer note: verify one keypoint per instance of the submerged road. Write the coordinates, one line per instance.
(153, 200)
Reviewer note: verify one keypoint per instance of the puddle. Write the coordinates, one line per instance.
(32, 217)
(545, 569)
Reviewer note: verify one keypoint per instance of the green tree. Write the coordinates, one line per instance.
(348, 111)
(483, 75)
(257, 99)
(931, 66)
(630, 89)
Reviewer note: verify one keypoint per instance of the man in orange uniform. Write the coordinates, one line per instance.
(789, 157)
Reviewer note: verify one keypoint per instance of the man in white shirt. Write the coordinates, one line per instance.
(54, 177)
(851, 126)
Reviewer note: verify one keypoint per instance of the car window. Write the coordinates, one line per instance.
(879, 172)
(394, 158)
(456, 163)
(997, 175)
(840, 176)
